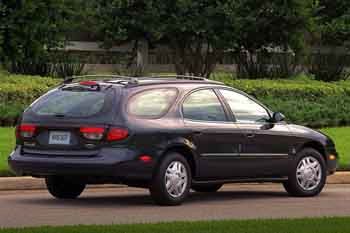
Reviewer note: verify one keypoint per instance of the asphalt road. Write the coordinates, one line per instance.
(129, 205)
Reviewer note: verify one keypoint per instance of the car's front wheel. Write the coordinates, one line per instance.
(172, 180)
(308, 174)
(64, 188)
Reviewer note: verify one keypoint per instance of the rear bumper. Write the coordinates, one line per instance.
(120, 163)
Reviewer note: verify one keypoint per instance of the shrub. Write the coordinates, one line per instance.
(303, 101)
(17, 92)
(307, 102)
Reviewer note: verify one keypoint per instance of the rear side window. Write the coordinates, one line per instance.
(70, 103)
(203, 105)
(152, 103)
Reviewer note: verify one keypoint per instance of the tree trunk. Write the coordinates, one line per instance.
(194, 57)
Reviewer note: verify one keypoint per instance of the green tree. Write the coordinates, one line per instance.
(331, 38)
(267, 27)
(30, 29)
(333, 22)
(199, 32)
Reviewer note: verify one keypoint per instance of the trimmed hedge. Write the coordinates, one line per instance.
(307, 102)
(17, 92)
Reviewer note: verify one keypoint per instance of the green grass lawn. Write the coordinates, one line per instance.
(319, 225)
(7, 143)
(341, 136)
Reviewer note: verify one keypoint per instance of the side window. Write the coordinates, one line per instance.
(244, 108)
(203, 105)
(152, 103)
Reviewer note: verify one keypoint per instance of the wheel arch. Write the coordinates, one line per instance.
(186, 152)
(316, 146)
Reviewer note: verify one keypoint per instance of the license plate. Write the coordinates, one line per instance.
(59, 138)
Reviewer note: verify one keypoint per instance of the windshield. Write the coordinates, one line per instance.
(70, 103)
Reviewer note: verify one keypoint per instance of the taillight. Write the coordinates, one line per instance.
(25, 131)
(117, 134)
(92, 133)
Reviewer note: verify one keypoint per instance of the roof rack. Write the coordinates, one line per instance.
(99, 77)
(127, 80)
(185, 77)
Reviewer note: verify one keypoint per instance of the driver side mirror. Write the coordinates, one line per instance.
(278, 117)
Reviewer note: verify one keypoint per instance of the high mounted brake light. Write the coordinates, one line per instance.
(88, 83)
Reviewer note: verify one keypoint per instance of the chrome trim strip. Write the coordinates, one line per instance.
(220, 154)
(262, 154)
(242, 155)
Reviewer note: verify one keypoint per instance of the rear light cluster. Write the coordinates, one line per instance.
(25, 131)
(117, 134)
(96, 133)
(91, 133)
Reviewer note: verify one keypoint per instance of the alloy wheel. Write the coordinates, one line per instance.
(176, 179)
(309, 173)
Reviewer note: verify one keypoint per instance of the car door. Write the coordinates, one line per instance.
(265, 151)
(216, 138)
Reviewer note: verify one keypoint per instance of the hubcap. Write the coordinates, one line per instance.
(176, 179)
(309, 173)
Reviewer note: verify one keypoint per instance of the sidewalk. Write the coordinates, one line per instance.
(29, 183)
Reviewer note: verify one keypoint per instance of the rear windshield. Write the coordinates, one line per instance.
(70, 103)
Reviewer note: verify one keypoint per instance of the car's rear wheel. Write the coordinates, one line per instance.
(63, 187)
(172, 180)
(206, 188)
(308, 174)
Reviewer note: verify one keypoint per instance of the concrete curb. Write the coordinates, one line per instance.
(29, 183)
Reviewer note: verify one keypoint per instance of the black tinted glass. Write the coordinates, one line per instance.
(203, 105)
(70, 103)
(152, 103)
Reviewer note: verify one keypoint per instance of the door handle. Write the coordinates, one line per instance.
(197, 132)
(250, 135)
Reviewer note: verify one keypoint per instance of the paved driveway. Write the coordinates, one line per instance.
(129, 205)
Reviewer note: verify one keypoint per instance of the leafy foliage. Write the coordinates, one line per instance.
(198, 32)
(332, 29)
(306, 102)
(269, 27)
(30, 29)
(333, 22)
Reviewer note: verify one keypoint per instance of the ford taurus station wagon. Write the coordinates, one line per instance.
(167, 134)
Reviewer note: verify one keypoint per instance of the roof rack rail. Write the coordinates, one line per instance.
(99, 77)
(186, 77)
(127, 80)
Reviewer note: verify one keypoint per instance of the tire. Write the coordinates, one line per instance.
(177, 183)
(206, 188)
(315, 178)
(64, 188)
